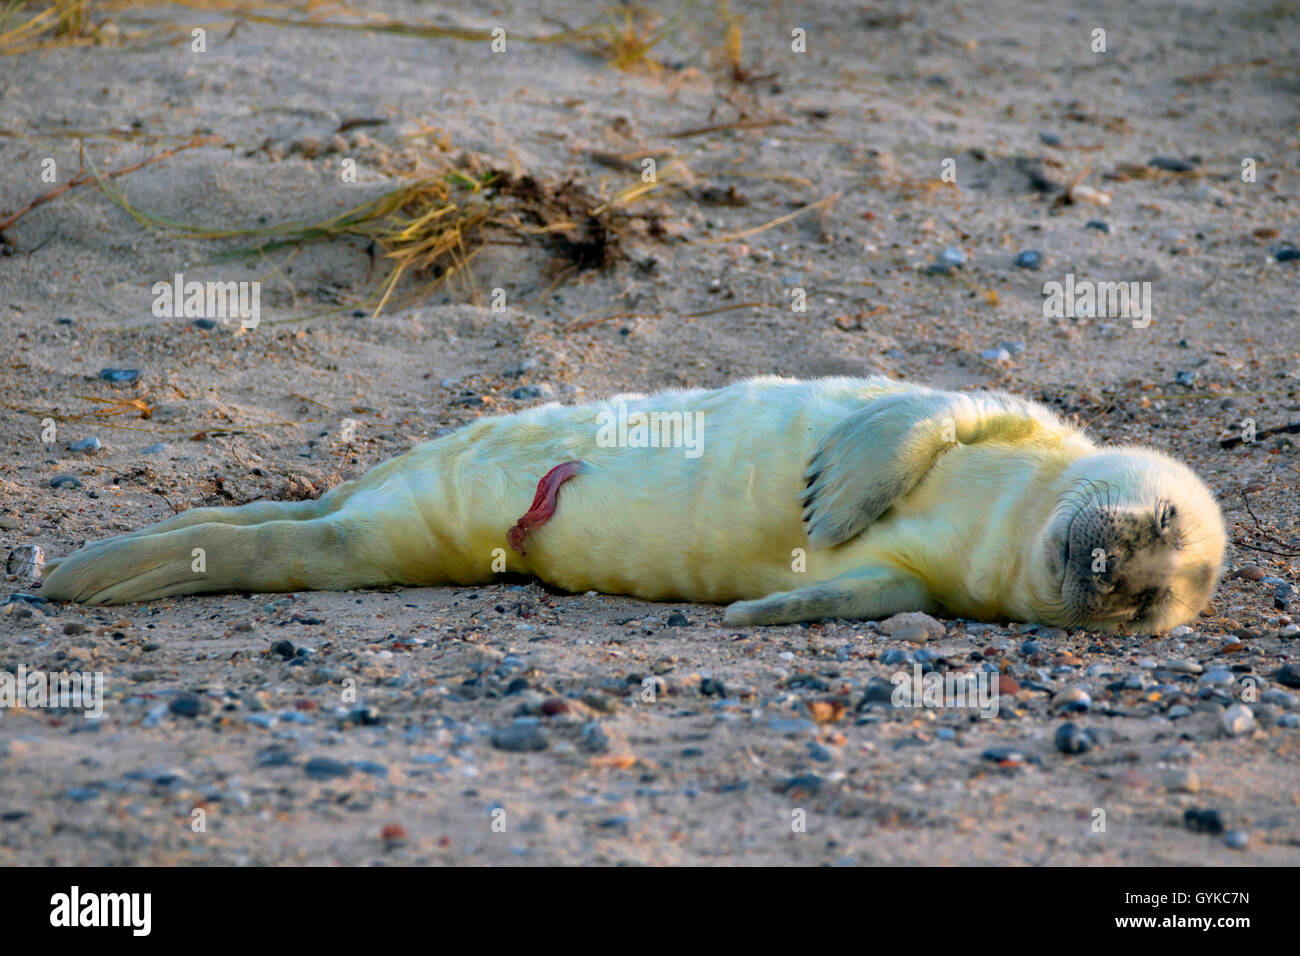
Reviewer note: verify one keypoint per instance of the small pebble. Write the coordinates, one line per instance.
(912, 633)
(120, 376)
(1030, 259)
(1280, 698)
(951, 258)
(1237, 839)
(528, 392)
(1004, 755)
(798, 728)
(593, 738)
(1203, 820)
(65, 481)
(90, 444)
(326, 768)
(892, 625)
(1070, 739)
(1171, 164)
(188, 705)
(527, 365)
(1072, 700)
(808, 783)
(1237, 720)
(819, 753)
(274, 756)
(519, 738)
(555, 706)
(1218, 677)
(877, 691)
(365, 717)
(712, 688)
(1099, 224)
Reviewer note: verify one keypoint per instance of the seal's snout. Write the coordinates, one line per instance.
(1117, 561)
(1129, 565)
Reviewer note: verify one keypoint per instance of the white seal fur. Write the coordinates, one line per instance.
(848, 498)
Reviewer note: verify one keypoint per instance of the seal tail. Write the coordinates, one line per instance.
(244, 552)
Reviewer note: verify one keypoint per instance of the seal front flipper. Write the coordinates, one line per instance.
(867, 593)
(873, 457)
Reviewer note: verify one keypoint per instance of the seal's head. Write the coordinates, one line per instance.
(1134, 539)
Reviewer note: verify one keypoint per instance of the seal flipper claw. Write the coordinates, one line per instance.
(543, 506)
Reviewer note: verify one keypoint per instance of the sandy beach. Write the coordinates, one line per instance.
(915, 177)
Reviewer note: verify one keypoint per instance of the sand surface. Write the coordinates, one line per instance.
(208, 708)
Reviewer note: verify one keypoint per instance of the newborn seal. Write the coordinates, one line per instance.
(797, 500)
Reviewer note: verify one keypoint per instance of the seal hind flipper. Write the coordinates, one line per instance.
(867, 594)
(873, 457)
(254, 512)
(280, 555)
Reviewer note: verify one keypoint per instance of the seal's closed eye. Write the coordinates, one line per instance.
(1166, 517)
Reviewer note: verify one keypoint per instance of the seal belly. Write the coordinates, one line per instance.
(651, 513)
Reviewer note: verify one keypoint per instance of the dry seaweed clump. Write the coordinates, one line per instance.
(431, 226)
(437, 216)
(30, 26)
(580, 230)
(27, 25)
(432, 229)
